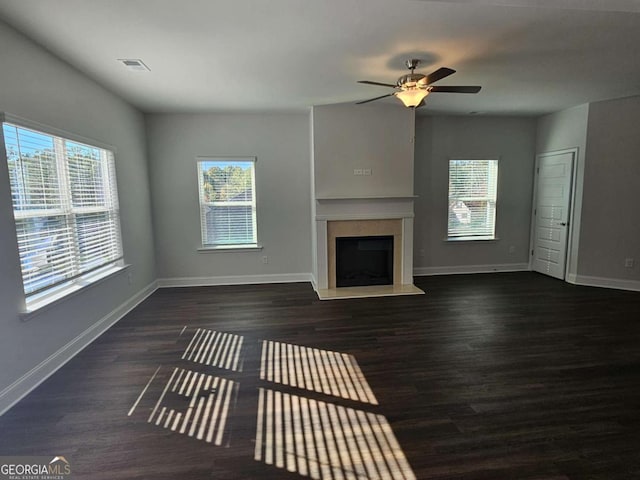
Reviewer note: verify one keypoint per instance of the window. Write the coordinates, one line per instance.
(227, 202)
(473, 186)
(65, 206)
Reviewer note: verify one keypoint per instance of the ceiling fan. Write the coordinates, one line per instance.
(412, 88)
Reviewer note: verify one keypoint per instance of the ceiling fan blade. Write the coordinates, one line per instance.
(464, 89)
(377, 83)
(376, 98)
(439, 75)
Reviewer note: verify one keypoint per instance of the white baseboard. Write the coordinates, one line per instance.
(603, 282)
(233, 280)
(314, 282)
(34, 377)
(465, 269)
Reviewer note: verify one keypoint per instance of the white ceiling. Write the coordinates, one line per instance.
(530, 56)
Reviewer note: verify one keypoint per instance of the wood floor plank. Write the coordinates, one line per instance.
(499, 376)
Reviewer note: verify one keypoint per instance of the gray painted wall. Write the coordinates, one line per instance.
(376, 137)
(281, 144)
(560, 131)
(440, 138)
(36, 86)
(610, 230)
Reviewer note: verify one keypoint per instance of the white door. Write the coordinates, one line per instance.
(551, 213)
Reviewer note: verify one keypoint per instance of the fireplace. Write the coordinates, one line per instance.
(364, 261)
(364, 228)
(356, 219)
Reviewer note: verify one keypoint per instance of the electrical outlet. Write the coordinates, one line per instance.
(366, 171)
(265, 259)
(421, 252)
(628, 262)
(357, 171)
(512, 249)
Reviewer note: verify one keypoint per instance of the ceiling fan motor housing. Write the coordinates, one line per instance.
(412, 80)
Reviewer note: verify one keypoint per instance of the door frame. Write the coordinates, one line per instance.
(572, 204)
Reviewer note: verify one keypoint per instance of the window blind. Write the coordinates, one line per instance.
(65, 205)
(227, 202)
(473, 186)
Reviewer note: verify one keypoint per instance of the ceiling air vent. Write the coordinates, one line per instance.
(134, 64)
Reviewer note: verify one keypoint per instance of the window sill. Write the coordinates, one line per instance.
(231, 248)
(46, 300)
(470, 239)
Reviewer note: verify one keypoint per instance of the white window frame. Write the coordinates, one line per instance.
(79, 276)
(207, 245)
(458, 234)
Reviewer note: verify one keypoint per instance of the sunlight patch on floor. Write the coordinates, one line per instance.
(326, 441)
(213, 348)
(323, 371)
(205, 416)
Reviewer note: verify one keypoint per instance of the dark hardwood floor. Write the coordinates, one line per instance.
(486, 377)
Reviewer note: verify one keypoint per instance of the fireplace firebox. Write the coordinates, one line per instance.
(364, 261)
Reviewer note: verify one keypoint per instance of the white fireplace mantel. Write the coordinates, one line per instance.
(363, 208)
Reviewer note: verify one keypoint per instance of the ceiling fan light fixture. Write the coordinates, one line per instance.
(412, 88)
(412, 97)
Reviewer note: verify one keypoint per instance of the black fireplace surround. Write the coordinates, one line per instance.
(363, 261)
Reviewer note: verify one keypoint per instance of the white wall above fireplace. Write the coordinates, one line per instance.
(375, 138)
